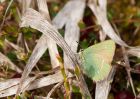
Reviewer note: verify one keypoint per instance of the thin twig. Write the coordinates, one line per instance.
(53, 89)
(91, 27)
(128, 70)
(10, 3)
(127, 66)
(56, 69)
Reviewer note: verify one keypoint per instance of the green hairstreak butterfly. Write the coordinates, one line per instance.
(96, 60)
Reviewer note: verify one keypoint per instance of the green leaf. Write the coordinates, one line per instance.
(96, 60)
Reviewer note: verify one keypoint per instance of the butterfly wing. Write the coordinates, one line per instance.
(97, 60)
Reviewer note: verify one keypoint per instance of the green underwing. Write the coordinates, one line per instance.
(96, 60)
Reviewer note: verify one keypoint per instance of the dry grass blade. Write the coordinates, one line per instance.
(103, 6)
(68, 12)
(9, 87)
(70, 16)
(125, 55)
(72, 31)
(8, 90)
(53, 89)
(8, 83)
(4, 61)
(46, 28)
(102, 35)
(103, 87)
(72, 34)
(41, 97)
(103, 21)
(38, 51)
(43, 9)
(134, 52)
(14, 46)
(25, 5)
(43, 43)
